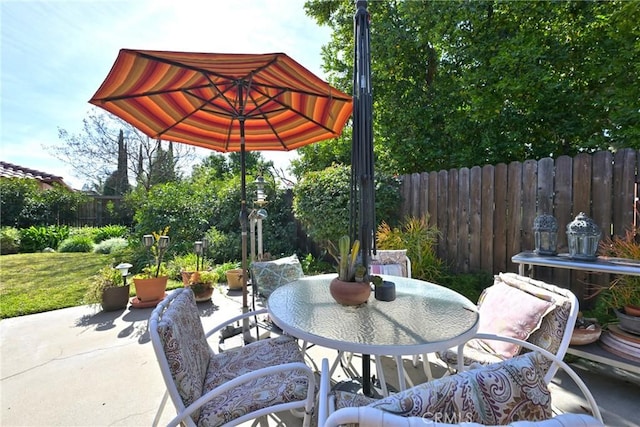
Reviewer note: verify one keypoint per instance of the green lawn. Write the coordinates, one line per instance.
(33, 283)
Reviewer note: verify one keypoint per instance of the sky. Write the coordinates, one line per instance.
(56, 53)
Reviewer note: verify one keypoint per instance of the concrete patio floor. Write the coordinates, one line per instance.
(83, 367)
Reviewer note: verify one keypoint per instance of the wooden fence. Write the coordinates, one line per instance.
(485, 214)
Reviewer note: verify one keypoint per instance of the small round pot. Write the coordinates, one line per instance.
(349, 293)
(386, 291)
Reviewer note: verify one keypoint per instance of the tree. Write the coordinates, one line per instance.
(464, 83)
(118, 181)
(95, 152)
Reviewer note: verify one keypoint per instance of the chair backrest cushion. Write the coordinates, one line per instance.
(511, 311)
(554, 325)
(185, 346)
(494, 395)
(390, 261)
(269, 275)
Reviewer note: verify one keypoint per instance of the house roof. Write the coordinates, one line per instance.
(9, 170)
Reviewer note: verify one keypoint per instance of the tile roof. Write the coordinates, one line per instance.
(9, 170)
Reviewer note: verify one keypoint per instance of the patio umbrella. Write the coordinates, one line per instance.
(225, 102)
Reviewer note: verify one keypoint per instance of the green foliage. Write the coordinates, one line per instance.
(313, 266)
(15, 198)
(321, 201)
(419, 239)
(23, 204)
(470, 285)
(223, 246)
(110, 231)
(9, 240)
(461, 83)
(111, 245)
(76, 244)
(186, 262)
(346, 256)
(35, 239)
(107, 277)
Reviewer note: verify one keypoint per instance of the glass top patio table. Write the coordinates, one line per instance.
(423, 318)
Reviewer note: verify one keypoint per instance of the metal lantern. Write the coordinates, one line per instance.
(583, 236)
(545, 232)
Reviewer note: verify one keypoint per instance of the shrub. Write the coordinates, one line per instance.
(470, 285)
(76, 244)
(321, 201)
(419, 239)
(9, 240)
(110, 231)
(35, 239)
(111, 245)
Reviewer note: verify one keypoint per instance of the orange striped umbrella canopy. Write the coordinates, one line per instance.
(205, 99)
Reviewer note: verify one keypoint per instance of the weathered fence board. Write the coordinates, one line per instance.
(485, 215)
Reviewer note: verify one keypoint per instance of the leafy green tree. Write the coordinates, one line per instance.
(321, 202)
(462, 83)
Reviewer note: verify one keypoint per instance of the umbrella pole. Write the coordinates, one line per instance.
(244, 217)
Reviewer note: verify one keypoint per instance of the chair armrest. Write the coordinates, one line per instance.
(554, 360)
(250, 376)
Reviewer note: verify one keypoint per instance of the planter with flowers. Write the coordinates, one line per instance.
(151, 282)
(202, 283)
(345, 289)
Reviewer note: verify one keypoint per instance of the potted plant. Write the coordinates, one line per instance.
(183, 266)
(202, 283)
(344, 288)
(623, 292)
(151, 282)
(108, 288)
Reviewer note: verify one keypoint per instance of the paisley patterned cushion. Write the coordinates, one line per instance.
(498, 394)
(256, 394)
(268, 275)
(185, 346)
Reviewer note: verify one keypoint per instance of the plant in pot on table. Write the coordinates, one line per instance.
(109, 288)
(622, 296)
(345, 289)
(151, 282)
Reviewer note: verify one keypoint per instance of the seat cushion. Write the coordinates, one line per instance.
(185, 346)
(269, 275)
(498, 394)
(508, 311)
(258, 393)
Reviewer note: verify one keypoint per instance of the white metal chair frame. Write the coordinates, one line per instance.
(328, 416)
(566, 336)
(184, 413)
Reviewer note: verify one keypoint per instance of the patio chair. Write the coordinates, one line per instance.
(507, 392)
(523, 308)
(393, 262)
(209, 388)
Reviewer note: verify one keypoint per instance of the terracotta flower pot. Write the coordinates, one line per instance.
(632, 310)
(201, 293)
(152, 289)
(186, 275)
(349, 293)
